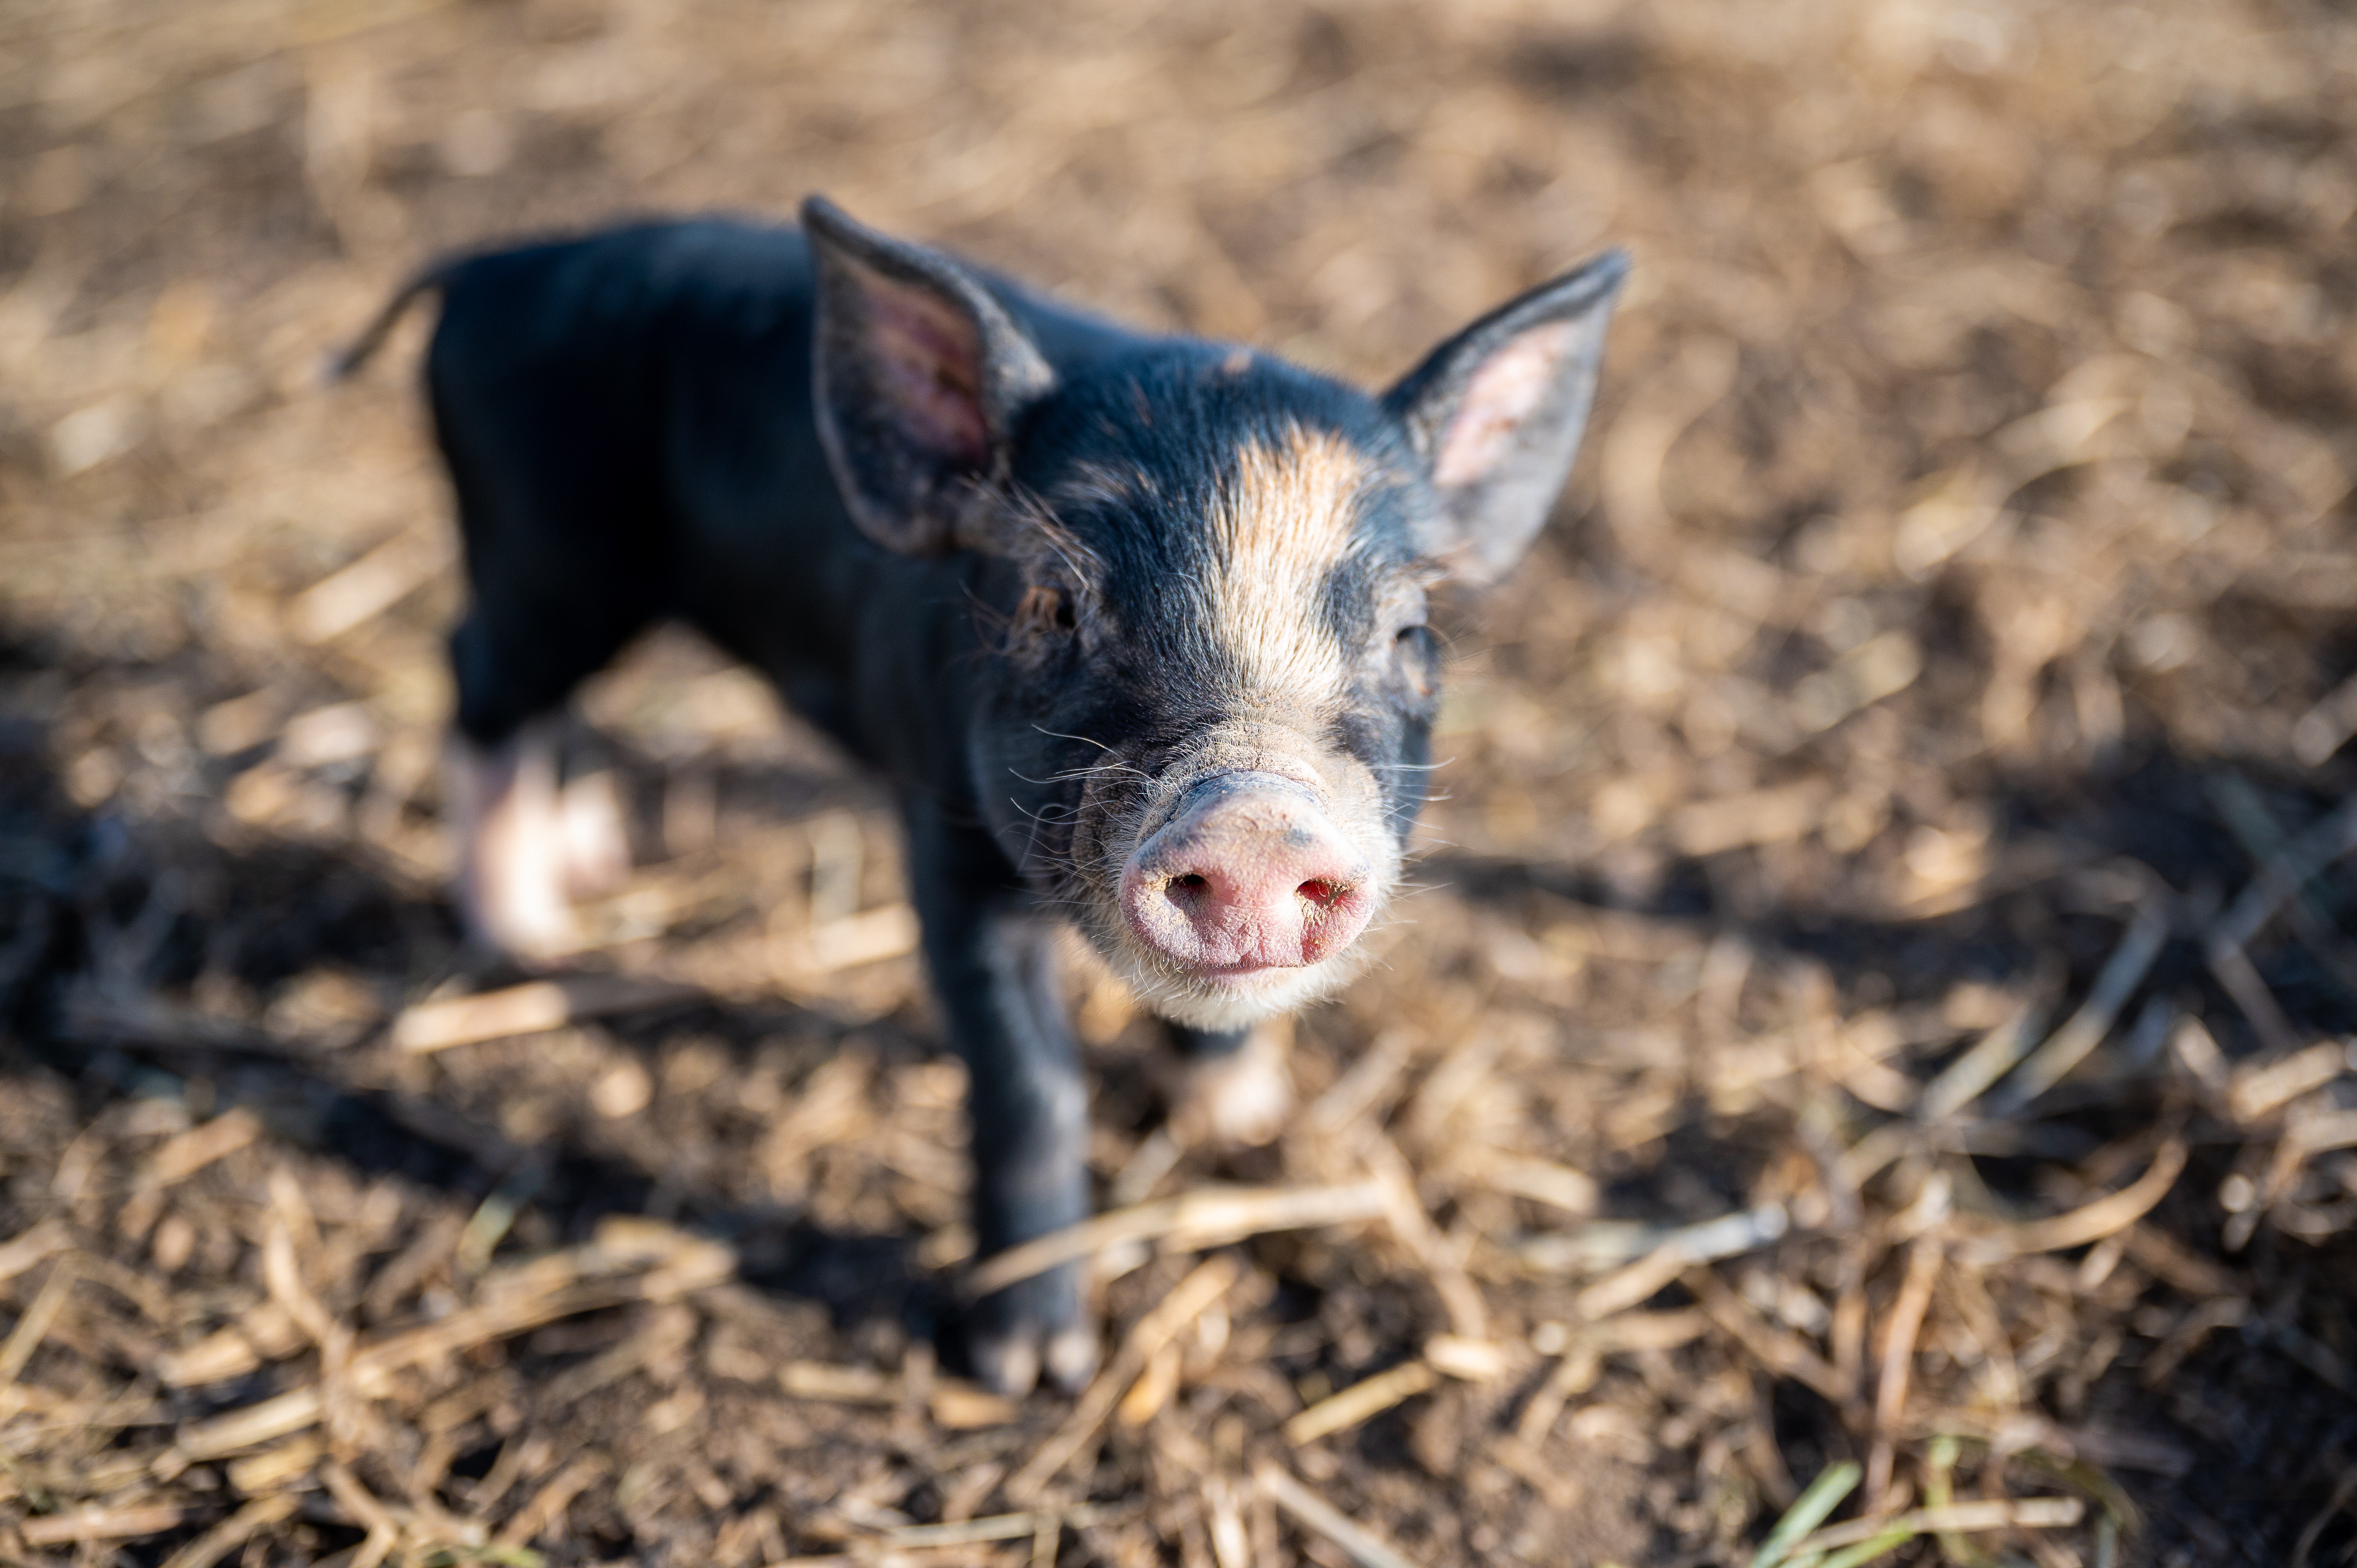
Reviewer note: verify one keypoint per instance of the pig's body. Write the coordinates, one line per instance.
(1134, 625)
(627, 421)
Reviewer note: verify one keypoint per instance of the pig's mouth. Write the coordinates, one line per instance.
(1241, 896)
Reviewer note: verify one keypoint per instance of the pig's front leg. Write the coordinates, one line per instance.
(1234, 1086)
(993, 957)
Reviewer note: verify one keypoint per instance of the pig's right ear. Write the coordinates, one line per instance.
(920, 377)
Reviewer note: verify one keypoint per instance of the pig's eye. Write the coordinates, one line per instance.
(1418, 653)
(1044, 609)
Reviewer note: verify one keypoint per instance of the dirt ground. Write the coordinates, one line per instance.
(1876, 1007)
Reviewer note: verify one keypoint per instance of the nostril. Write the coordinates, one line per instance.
(1187, 887)
(1320, 892)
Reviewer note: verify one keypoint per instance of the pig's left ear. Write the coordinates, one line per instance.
(920, 375)
(1496, 413)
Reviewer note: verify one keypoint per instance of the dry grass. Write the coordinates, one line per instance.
(1868, 1071)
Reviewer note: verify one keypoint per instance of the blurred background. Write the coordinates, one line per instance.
(1902, 796)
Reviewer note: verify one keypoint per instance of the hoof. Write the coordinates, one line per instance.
(593, 843)
(1034, 1328)
(512, 851)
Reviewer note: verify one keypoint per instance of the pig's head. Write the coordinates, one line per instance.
(1207, 687)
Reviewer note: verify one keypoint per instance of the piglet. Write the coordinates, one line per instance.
(1133, 624)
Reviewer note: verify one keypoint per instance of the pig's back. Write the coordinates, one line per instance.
(636, 405)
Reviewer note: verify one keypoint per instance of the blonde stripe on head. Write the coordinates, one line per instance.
(1283, 520)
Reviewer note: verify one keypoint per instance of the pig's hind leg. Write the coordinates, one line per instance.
(548, 611)
(527, 847)
(992, 959)
(506, 820)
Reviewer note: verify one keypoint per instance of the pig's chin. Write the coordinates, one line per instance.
(1219, 1000)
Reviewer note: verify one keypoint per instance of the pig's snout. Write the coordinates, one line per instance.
(1250, 873)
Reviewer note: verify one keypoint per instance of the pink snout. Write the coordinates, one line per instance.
(1250, 875)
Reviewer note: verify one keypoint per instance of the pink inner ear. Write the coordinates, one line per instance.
(929, 362)
(1504, 392)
